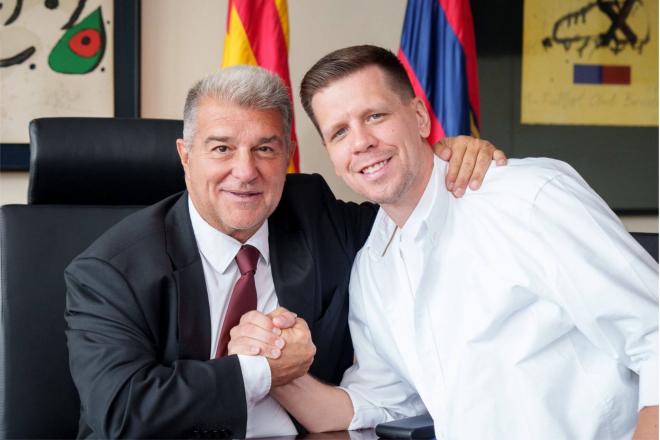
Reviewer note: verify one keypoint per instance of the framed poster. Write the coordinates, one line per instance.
(590, 63)
(64, 58)
(620, 162)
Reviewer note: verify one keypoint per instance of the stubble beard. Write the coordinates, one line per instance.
(395, 195)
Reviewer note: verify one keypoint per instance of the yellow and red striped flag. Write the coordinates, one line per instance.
(258, 34)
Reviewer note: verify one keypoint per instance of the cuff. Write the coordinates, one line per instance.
(365, 415)
(256, 378)
(648, 383)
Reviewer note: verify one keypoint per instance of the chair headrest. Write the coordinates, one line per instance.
(104, 161)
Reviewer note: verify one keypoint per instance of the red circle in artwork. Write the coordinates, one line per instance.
(85, 43)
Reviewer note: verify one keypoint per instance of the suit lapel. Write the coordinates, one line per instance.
(292, 268)
(194, 322)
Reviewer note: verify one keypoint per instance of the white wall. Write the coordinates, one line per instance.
(183, 40)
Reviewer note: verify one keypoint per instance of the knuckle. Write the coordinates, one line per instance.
(468, 163)
(249, 331)
(247, 317)
(455, 161)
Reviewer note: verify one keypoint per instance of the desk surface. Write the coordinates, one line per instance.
(362, 434)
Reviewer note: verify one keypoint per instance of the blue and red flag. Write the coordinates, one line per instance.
(439, 53)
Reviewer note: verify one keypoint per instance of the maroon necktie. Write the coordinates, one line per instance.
(243, 297)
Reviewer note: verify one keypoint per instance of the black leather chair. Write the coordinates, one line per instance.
(85, 175)
(101, 161)
(649, 241)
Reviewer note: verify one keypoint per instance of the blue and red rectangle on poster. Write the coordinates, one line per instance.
(601, 74)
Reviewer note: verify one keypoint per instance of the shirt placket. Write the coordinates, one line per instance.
(431, 377)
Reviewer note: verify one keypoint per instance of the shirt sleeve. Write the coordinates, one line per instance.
(256, 378)
(377, 392)
(603, 278)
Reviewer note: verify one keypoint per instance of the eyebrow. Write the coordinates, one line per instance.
(263, 140)
(369, 110)
(268, 140)
(216, 139)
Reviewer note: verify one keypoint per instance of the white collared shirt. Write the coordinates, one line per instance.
(265, 417)
(523, 310)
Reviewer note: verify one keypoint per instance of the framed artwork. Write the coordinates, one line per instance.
(590, 63)
(619, 161)
(64, 58)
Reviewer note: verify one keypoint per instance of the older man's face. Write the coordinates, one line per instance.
(236, 168)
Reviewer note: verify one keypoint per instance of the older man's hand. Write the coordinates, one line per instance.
(260, 334)
(469, 159)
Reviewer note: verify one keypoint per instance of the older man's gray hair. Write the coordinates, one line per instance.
(245, 86)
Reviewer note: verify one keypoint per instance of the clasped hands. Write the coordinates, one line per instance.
(282, 337)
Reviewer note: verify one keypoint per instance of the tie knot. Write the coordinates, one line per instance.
(246, 258)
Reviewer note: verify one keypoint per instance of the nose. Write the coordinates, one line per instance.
(245, 166)
(363, 140)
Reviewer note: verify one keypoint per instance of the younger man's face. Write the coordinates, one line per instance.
(375, 139)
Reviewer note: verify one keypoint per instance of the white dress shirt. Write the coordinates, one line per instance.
(523, 310)
(265, 417)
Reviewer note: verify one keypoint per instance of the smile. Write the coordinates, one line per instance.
(244, 195)
(375, 167)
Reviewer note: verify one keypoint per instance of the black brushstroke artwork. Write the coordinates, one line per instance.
(26, 53)
(14, 15)
(18, 58)
(616, 38)
(76, 14)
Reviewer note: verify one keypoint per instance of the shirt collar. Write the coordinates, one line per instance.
(219, 248)
(425, 222)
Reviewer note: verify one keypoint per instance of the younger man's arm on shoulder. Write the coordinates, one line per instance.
(469, 159)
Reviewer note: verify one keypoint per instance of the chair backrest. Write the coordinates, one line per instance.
(37, 396)
(104, 161)
(85, 175)
(649, 241)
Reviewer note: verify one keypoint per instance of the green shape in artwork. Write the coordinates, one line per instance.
(81, 48)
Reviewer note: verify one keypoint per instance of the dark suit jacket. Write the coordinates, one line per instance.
(138, 315)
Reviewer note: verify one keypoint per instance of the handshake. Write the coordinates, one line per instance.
(280, 336)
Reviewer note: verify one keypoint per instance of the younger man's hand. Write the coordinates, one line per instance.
(469, 159)
(296, 357)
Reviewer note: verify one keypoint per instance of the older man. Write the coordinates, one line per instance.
(522, 311)
(151, 303)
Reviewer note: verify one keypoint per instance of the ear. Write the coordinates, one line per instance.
(184, 155)
(294, 145)
(423, 118)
